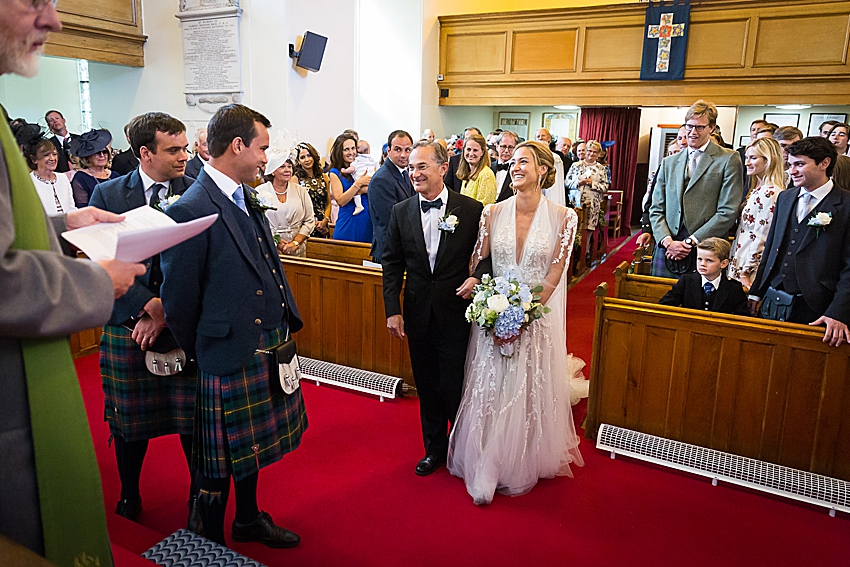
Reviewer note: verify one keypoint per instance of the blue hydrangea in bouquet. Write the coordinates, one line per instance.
(505, 306)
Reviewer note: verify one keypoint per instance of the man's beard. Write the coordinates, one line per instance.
(17, 58)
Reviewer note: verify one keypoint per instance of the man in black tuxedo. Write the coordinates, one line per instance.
(126, 161)
(202, 154)
(390, 185)
(506, 146)
(431, 238)
(807, 253)
(61, 139)
(450, 179)
(139, 405)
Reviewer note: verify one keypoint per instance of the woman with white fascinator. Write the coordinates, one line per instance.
(293, 221)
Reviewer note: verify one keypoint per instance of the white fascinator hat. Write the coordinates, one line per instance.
(280, 150)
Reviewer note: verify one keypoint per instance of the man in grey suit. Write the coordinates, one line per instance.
(46, 296)
(390, 185)
(697, 195)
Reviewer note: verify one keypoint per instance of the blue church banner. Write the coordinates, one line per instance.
(665, 40)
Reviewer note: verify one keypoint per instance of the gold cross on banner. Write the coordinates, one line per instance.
(664, 33)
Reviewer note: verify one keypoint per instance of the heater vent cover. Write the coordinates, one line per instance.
(352, 378)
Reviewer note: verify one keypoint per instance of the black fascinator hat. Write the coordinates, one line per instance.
(90, 143)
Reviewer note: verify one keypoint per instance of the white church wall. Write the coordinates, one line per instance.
(57, 87)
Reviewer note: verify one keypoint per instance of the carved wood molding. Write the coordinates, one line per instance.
(109, 31)
(739, 52)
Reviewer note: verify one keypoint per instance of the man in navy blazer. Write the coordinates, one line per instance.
(807, 253)
(229, 305)
(202, 154)
(139, 406)
(390, 185)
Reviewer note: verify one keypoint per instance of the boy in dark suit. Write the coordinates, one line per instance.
(709, 288)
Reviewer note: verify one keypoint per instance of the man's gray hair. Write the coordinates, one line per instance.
(440, 154)
(510, 134)
(198, 132)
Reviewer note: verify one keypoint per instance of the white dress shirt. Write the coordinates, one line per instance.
(699, 155)
(715, 282)
(430, 222)
(148, 184)
(817, 196)
(500, 179)
(227, 185)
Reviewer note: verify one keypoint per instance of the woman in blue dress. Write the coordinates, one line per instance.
(353, 223)
(93, 150)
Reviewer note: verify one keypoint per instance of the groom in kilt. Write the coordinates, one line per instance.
(226, 299)
(139, 405)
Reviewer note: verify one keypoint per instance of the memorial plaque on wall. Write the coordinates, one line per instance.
(211, 52)
(211, 55)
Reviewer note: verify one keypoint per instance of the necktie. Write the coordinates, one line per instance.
(709, 288)
(428, 205)
(239, 199)
(807, 201)
(692, 161)
(503, 166)
(407, 184)
(156, 187)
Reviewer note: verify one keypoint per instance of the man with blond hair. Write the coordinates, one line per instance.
(697, 195)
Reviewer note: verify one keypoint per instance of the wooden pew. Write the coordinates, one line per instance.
(85, 342)
(344, 320)
(340, 251)
(758, 388)
(639, 288)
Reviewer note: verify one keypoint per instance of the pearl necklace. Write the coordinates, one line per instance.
(51, 181)
(279, 192)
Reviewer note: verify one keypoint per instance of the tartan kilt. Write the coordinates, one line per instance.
(137, 404)
(240, 411)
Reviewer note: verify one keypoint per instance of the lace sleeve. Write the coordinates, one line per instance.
(482, 247)
(562, 255)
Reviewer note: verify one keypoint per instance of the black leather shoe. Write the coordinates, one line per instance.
(129, 508)
(195, 524)
(264, 530)
(429, 464)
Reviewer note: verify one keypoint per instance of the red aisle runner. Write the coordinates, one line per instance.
(351, 493)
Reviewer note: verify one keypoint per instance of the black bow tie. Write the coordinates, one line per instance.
(427, 205)
(503, 166)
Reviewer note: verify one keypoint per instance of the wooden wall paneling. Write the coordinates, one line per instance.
(826, 40)
(699, 376)
(739, 52)
(718, 44)
(603, 49)
(544, 51)
(802, 405)
(774, 413)
(751, 385)
(480, 53)
(109, 31)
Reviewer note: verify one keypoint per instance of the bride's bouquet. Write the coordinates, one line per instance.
(505, 306)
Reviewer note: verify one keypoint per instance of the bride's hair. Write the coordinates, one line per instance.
(542, 156)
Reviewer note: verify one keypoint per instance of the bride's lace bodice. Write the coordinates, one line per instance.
(547, 246)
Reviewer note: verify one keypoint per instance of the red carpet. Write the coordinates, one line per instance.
(350, 492)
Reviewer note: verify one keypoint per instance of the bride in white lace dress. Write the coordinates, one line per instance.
(515, 422)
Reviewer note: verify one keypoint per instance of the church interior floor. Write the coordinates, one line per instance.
(351, 493)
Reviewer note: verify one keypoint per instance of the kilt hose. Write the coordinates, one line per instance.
(243, 423)
(137, 404)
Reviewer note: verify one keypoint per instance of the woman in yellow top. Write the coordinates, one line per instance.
(479, 181)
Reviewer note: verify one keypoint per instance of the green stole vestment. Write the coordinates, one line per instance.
(69, 491)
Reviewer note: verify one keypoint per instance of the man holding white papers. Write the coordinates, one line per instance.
(138, 404)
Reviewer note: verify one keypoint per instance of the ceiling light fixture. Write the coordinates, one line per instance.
(793, 106)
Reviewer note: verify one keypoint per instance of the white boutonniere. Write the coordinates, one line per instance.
(820, 221)
(448, 223)
(262, 198)
(164, 204)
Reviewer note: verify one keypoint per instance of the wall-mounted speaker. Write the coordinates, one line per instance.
(312, 51)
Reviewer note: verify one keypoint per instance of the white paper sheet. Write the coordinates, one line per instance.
(143, 233)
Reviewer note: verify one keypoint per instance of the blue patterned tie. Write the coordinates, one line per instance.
(239, 199)
(709, 288)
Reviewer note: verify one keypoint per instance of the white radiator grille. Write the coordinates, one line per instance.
(352, 378)
(752, 473)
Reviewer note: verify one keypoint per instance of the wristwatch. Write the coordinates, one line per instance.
(690, 241)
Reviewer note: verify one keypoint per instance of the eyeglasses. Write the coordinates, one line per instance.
(698, 127)
(42, 4)
(101, 153)
(511, 148)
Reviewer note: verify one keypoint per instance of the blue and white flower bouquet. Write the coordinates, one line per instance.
(505, 306)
